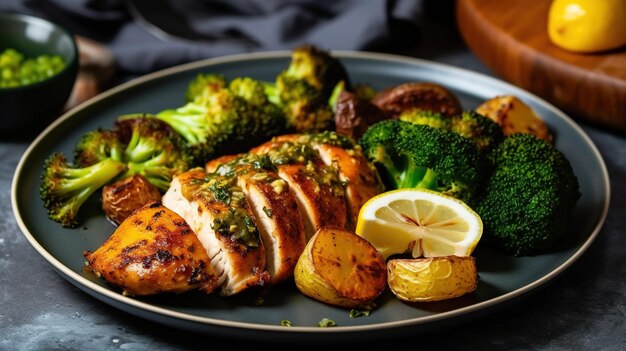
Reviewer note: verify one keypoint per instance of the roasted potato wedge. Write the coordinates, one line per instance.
(514, 116)
(417, 95)
(433, 278)
(340, 268)
(123, 197)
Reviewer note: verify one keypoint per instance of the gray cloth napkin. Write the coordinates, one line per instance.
(147, 35)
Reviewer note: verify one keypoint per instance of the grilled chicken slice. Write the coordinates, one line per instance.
(213, 164)
(319, 195)
(317, 188)
(275, 209)
(217, 211)
(154, 251)
(359, 177)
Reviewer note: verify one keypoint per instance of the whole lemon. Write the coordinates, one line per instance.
(587, 25)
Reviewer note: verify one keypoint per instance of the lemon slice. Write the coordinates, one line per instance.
(432, 279)
(423, 222)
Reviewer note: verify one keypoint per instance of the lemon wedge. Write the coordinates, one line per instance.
(423, 222)
(587, 25)
(432, 279)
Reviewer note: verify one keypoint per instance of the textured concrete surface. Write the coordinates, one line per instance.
(583, 309)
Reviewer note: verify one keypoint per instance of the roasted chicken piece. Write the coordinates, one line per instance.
(275, 209)
(216, 209)
(153, 251)
(317, 188)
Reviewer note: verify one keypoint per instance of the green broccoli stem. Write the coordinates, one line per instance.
(404, 174)
(138, 149)
(156, 173)
(90, 178)
(411, 175)
(187, 120)
(76, 186)
(429, 180)
(117, 154)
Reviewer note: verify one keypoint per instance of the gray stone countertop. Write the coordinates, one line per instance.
(582, 309)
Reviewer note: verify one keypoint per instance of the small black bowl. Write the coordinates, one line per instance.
(30, 108)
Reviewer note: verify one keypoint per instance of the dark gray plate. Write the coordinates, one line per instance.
(502, 279)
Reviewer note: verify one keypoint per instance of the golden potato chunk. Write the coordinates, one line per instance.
(340, 268)
(514, 116)
(433, 278)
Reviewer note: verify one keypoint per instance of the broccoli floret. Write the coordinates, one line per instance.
(486, 133)
(98, 145)
(482, 130)
(144, 146)
(64, 187)
(147, 146)
(528, 201)
(429, 118)
(411, 155)
(305, 110)
(223, 117)
(206, 121)
(305, 87)
(153, 150)
(268, 118)
(318, 68)
(204, 83)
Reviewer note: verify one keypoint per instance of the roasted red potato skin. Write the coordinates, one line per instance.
(123, 197)
(417, 95)
(354, 115)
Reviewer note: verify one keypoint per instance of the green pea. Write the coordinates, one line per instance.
(16, 71)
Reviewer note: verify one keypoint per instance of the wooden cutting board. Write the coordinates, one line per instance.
(511, 38)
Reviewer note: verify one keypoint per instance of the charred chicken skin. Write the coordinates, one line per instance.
(154, 251)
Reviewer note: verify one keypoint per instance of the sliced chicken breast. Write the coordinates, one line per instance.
(218, 213)
(317, 188)
(360, 178)
(275, 209)
(213, 164)
(154, 251)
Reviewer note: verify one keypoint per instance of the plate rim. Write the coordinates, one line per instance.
(102, 293)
